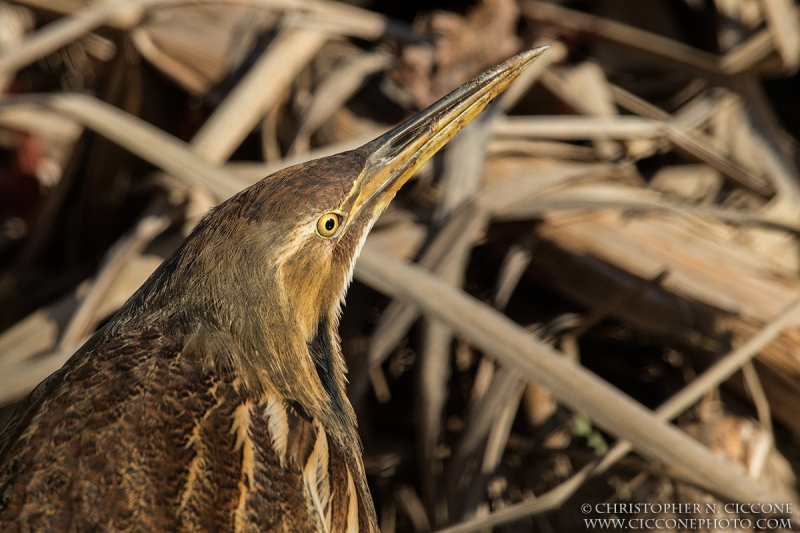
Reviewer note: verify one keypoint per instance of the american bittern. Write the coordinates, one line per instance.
(214, 400)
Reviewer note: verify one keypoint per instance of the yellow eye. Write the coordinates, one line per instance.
(328, 224)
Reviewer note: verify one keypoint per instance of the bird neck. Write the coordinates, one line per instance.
(234, 317)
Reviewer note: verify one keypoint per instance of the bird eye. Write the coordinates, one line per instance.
(328, 224)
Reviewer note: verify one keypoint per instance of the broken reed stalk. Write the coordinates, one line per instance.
(81, 19)
(256, 93)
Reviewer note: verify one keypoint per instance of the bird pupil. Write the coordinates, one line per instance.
(329, 224)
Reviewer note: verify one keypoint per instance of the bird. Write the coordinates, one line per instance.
(214, 399)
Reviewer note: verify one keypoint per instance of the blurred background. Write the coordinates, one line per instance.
(631, 206)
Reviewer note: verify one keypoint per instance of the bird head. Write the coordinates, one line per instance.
(258, 286)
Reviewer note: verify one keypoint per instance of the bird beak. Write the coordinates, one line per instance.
(397, 154)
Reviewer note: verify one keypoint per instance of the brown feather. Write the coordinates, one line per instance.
(166, 445)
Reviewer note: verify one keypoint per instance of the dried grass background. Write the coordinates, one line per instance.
(592, 295)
